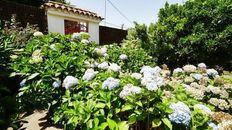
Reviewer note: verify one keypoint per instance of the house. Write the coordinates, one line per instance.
(57, 17)
(67, 19)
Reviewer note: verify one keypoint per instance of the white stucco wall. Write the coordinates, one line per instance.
(94, 31)
(56, 23)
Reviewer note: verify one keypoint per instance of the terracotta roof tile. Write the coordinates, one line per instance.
(52, 4)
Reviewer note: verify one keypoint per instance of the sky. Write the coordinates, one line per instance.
(141, 11)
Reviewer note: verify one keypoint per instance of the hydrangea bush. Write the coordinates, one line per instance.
(87, 86)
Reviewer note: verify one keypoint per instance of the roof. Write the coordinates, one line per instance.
(56, 5)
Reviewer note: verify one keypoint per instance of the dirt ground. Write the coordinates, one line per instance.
(37, 121)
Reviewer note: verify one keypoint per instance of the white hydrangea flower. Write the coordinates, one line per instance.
(76, 36)
(225, 125)
(204, 108)
(110, 83)
(197, 76)
(103, 65)
(211, 72)
(36, 57)
(146, 80)
(202, 65)
(186, 86)
(148, 71)
(89, 75)
(129, 89)
(69, 82)
(152, 86)
(37, 34)
(178, 70)
(114, 67)
(101, 51)
(214, 90)
(85, 41)
(189, 68)
(136, 76)
(123, 57)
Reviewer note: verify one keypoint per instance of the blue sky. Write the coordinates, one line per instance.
(141, 11)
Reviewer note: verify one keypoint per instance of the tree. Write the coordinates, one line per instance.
(197, 31)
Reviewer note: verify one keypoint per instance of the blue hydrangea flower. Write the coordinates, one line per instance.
(56, 84)
(180, 117)
(110, 83)
(181, 114)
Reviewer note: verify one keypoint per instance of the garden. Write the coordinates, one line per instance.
(173, 75)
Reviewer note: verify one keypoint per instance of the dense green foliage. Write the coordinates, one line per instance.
(198, 30)
(12, 37)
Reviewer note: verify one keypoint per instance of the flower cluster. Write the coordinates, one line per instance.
(101, 51)
(189, 68)
(85, 41)
(178, 70)
(76, 36)
(37, 57)
(69, 82)
(181, 114)
(103, 65)
(110, 83)
(212, 72)
(151, 78)
(202, 65)
(204, 108)
(220, 103)
(137, 76)
(225, 125)
(89, 75)
(123, 57)
(129, 89)
(37, 34)
(114, 67)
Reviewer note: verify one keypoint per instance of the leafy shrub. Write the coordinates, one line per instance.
(100, 89)
(190, 33)
(53, 57)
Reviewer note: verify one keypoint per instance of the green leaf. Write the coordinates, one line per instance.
(139, 103)
(167, 123)
(122, 125)
(33, 76)
(132, 119)
(156, 123)
(103, 125)
(100, 105)
(127, 107)
(112, 124)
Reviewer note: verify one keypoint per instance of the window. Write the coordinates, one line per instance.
(75, 26)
